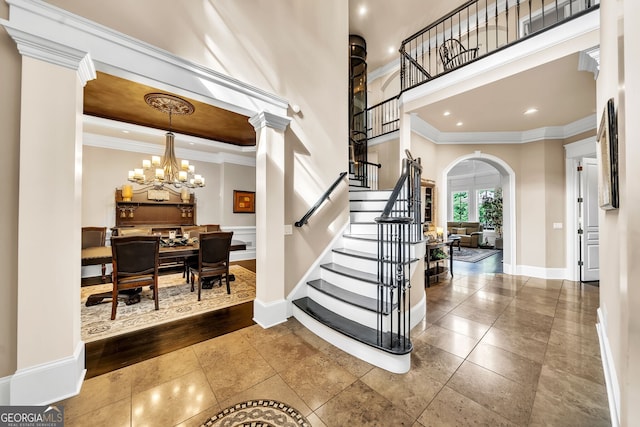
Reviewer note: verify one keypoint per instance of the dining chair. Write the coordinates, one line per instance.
(213, 259)
(94, 237)
(453, 54)
(135, 264)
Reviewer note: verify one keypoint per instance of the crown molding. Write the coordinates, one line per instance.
(429, 132)
(126, 57)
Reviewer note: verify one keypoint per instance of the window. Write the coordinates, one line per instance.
(482, 214)
(461, 206)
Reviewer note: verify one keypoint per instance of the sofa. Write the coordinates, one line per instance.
(470, 233)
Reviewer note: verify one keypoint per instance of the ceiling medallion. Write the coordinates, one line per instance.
(169, 104)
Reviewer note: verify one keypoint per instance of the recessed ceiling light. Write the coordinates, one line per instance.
(125, 131)
(391, 49)
(459, 124)
(446, 113)
(192, 143)
(362, 10)
(531, 111)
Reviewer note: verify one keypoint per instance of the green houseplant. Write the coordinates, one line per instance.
(492, 207)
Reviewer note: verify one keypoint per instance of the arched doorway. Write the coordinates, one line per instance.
(508, 184)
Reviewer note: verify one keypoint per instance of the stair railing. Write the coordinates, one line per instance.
(366, 173)
(320, 201)
(398, 227)
(479, 28)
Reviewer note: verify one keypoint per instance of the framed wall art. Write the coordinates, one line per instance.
(608, 196)
(244, 201)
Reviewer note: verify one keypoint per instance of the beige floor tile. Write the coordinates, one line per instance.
(317, 379)
(409, 391)
(259, 336)
(98, 392)
(585, 330)
(117, 414)
(311, 338)
(434, 363)
(563, 358)
(453, 342)
(273, 388)
(352, 364)
(510, 365)
(535, 282)
(434, 314)
(452, 409)
(172, 402)
(495, 392)
(359, 405)
(161, 369)
(233, 374)
(198, 419)
(582, 345)
(530, 324)
(210, 351)
(475, 314)
(315, 421)
(517, 343)
(566, 399)
(463, 326)
(486, 295)
(589, 317)
(285, 351)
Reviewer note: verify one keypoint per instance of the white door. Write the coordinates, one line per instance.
(590, 241)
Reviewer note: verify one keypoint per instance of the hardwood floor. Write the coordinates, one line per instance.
(127, 349)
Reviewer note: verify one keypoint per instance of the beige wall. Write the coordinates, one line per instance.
(293, 49)
(540, 189)
(619, 78)
(389, 157)
(9, 160)
(104, 170)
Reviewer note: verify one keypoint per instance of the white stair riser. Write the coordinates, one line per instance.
(368, 228)
(371, 246)
(369, 216)
(394, 363)
(367, 205)
(375, 195)
(356, 286)
(351, 312)
(361, 264)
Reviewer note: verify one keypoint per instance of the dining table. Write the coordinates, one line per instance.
(169, 251)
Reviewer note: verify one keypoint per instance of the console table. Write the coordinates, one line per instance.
(435, 259)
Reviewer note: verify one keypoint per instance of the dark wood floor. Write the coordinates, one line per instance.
(123, 350)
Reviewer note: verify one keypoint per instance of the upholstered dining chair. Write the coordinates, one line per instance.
(135, 264)
(453, 54)
(213, 259)
(94, 237)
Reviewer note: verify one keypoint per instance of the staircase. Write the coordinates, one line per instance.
(342, 303)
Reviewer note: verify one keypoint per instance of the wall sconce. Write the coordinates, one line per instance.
(439, 233)
(131, 212)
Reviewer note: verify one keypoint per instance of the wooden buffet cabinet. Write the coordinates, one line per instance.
(155, 207)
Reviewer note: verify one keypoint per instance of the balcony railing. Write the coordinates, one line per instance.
(477, 29)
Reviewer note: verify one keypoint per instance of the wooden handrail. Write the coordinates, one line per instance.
(324, 197)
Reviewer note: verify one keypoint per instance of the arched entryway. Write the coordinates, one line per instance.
(508, 183)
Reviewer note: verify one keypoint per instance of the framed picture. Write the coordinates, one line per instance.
(608, 166)
(244, 201)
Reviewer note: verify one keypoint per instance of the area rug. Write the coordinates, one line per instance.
(176, 302)
(258, 413)
(472, 254)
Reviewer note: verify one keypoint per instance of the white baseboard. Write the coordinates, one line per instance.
(269, 314)
(5, 391)
(610, 377)
(539, 272)
(49, 382)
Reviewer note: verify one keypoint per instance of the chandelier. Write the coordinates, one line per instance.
(165, 170)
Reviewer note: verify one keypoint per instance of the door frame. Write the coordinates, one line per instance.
(574, 152)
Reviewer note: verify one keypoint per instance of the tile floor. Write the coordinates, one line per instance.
(494, 350)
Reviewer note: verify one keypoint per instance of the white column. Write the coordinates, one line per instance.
(405, 135)
(50, 352)
(270, 307)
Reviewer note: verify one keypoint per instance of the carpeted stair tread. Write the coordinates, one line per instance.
(349, 297)
(350, 328)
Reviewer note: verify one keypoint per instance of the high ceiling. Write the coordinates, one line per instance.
(559, 92)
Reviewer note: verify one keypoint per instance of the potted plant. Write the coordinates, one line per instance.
(492, 207)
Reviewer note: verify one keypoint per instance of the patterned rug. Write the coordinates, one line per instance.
(176, 302)
(472, 254)
(258, 413)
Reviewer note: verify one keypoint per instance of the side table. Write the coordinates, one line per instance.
(436, 257)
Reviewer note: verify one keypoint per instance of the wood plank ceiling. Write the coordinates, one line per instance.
(122, 100)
